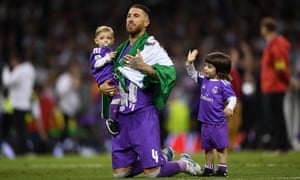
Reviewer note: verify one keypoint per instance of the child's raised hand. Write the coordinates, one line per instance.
(112, 54)
(228, 112)
(192, 56)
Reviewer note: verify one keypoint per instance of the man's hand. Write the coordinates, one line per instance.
(107, 89)
(192, 56)
(137, 63)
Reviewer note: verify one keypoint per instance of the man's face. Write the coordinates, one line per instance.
(136, 21)
(263, 31)
(13, 62)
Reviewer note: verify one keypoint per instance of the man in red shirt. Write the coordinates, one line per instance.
(235, 121)
(275, 76)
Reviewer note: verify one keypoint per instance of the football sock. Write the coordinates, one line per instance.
(113, 108)
(210, 166)
(222, 167)
(170, 168)
(182, 165)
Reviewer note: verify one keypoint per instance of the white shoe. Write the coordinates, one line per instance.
(168, 153)
(192, 167)
(58, 151)
(69, 145)
(296, 145)
(8, 151)
(86, 151)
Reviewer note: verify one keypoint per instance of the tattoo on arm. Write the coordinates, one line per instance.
(139, 65)
(135, 64)
(149, 70)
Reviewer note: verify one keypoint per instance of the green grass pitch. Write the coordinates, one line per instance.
(242, 165)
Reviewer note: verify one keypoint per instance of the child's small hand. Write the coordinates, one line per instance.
(112, 54)
(228, 112)
(192, 56)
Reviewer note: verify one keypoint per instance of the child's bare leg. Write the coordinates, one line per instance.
(112, 123)
(222, 166)
(209, 156)
(222, 155)
(209, 163)
(114, 107)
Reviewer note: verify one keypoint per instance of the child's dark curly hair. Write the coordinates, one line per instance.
(222, 63)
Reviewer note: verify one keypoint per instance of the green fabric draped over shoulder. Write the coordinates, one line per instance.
(162, 86)
(138, 44)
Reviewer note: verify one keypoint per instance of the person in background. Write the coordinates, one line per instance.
(292, 101)
(42, 118)
(235, 121)
(66, 89)
(275, 81)
(18, 77)
(6, 110)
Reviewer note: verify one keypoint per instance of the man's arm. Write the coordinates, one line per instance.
(10, 77)
(137, 63)
(280, 64)
(107, 89)
(146, 68)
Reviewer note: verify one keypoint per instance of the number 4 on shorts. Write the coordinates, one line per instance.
(155, 155)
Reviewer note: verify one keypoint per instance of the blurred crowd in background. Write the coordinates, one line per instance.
(57, 37)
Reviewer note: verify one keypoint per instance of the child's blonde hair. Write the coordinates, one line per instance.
(101, 29)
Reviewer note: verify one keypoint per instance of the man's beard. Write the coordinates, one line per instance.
(134, 32)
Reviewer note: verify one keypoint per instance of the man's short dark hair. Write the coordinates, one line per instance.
(142, 7)
(269, 23)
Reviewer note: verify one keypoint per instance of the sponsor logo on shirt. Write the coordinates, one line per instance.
(206, 98)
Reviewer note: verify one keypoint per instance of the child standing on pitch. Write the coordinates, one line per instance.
(102, 66)
(217, 102)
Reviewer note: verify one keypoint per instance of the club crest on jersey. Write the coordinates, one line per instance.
(98, 56)
(215, 90)
(149, 43)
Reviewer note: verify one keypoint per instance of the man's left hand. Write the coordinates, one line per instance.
(137, 63)
(134, 62)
